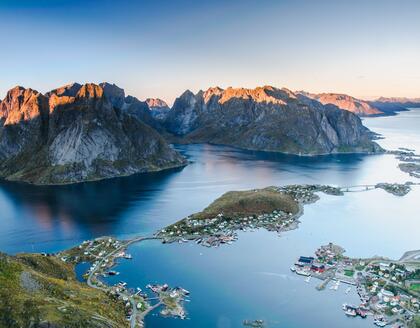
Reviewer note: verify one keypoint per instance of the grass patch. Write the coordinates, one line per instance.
(415, 287)
(235, 204)
(36, 289)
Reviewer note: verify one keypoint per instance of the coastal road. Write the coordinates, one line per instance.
(122, 247)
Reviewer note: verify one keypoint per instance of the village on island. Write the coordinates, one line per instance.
(388, 290)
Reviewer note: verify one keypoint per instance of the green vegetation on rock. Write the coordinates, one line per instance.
(41, 291)
(251, 202)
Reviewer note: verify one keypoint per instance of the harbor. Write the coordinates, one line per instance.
(328, 265)
(103, 254)
(387, 289)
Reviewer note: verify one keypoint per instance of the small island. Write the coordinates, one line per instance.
(409, 161)
(273, 208)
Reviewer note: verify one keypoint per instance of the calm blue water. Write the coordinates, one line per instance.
(251, 278)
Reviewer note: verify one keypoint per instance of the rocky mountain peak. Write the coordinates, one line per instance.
(90, 90)
(187, 94)
(114, 94)
(156, 103)
(69, 90)
(267, 118)
(74, 134)
(265, 94)
(21, 104)
(210, 92)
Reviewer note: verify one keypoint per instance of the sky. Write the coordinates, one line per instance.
(365, 48)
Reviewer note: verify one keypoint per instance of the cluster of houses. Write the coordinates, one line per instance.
(327, 258)
(90, 250)
(172, 298)
(396, 189)
(383, 286)
(386, 284)
(222, 230)
(306, 193)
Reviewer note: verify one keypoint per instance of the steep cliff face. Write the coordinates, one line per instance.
(268, 119)
(158, 108)
(346, 102)
(76, 133)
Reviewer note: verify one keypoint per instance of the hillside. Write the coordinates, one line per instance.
(40, 291)
(235, 204)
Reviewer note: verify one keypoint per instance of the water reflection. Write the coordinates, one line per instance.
(49, 218)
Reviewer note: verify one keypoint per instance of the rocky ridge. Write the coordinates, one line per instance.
(78, 133)
(346, 102)
(268, 119)
(158, 108)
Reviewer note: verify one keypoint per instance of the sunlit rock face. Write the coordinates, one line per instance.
(158, 108)
(77, 133)
(269, 119)
(345, 102)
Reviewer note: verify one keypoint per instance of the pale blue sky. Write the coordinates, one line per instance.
(155, 48)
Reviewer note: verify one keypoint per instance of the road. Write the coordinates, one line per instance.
(123, 246)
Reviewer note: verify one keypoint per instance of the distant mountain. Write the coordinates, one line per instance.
(158, 107)
(346, 102)
(269, 119)
(401, 100)
(392, 105)
(78, 133)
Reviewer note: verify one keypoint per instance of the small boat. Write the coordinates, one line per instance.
(293, 268)
(380, 323)
(348, 290)
(308, 279)
(113, 273)
(350, 312)
(335, 287)
(303, 272)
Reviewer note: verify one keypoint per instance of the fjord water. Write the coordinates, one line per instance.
(251, 278)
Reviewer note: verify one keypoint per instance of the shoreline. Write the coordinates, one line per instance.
(103, 259)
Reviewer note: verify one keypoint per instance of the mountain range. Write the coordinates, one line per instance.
(78, 133)
(88, 132)
(346, 102)
(268, 119)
